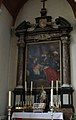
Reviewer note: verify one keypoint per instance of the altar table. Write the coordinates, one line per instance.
(32, 115)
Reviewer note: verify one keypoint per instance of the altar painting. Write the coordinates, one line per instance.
(43, 61)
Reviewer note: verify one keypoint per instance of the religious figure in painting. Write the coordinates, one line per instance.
(51, 67)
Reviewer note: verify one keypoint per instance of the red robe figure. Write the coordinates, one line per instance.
(51, 74)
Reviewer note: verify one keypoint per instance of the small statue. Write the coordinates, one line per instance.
(43, 96)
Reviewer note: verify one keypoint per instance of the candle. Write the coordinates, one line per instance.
(57, 85)
(31, 85)
(51, 97)
(25, 86)
(52, 84)
(9, 98)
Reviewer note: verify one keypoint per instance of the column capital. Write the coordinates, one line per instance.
(21, 41)
(65, 39)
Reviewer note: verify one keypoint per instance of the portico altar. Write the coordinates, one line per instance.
(43, 70)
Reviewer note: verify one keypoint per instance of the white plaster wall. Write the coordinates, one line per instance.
(73, 63)
(5, 23)
(55, 8)
(13, 63)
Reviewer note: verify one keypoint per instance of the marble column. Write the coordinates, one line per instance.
(21, 60)
(66, 60)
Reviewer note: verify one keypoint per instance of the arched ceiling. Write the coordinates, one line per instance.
(14, 6)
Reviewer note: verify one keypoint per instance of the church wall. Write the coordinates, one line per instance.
(55, 8)
(5, 23)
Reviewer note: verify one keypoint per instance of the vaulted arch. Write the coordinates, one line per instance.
(14, 6)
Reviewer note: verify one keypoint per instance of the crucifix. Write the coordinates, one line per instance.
(43, 3)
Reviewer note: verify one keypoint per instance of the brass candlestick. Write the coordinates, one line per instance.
(57, 99)
(9, 112)
(52, 109)
(31, 99)
(25, 98)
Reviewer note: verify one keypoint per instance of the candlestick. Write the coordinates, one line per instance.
(25, 86)
(9, 113)
(9, 98)
(51, 97)
(57, 85)
(31, 85)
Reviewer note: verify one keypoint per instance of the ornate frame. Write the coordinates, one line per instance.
(41, 36)
(35, 34)
(43, 63)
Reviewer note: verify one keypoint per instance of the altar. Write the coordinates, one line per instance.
(43, 70)
(32, 115)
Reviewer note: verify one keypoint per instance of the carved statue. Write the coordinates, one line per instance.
(43, 96)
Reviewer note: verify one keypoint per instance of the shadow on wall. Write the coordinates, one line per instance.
(74, 100)
(2, 117)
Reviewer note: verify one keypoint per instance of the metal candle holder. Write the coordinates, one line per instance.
(31, 99)
(9, 112)
(51, 109)
(57, 99)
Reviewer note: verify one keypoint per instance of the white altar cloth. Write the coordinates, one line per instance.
(31, 115)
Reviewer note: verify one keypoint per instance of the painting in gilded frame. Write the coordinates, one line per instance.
(43, 62)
